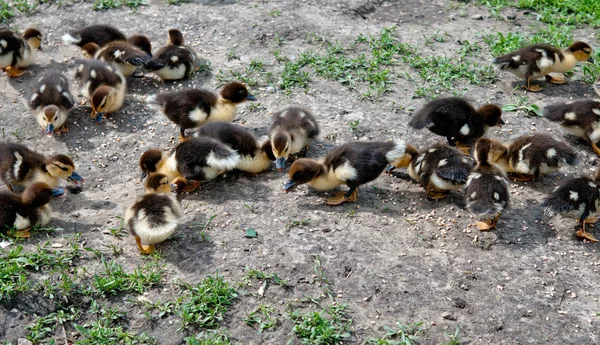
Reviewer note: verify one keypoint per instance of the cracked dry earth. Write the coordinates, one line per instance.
(392, 256)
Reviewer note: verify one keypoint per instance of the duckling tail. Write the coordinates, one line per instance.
(68, 39)
(397, 151)
(553, 205)
(505, 62)
(556, 112)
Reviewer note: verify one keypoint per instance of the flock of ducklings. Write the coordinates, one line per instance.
(210, 144)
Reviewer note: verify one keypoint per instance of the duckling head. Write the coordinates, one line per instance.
(62, 167)
(302, 171)
(33, 37)
(410, 154)
(50, 117)
(236, 92)
(158, 184)
(175, 37)
(141, 42)
(489, 150)
(89, 50)
(581, 51)
(280, 144)
(102, 99)
(150, 161)
(37, 195)
(491, 115)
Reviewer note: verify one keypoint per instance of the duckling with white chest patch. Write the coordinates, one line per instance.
(580, 118)
(18, 51)
(455, 119)
(103, 86)
(538, 60)
(29, 209)
(173, 61)
(51, 102)
(353, 164)
(154, 217)
(293, 129)
(191, 108)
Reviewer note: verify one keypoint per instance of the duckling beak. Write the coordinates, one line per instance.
(501, 123)
(389, 168)
(288, 186)
(591, 59)
(250, 98)
(143, 176)
(98, 117)
(280, 163)
(49, 129)
(75, 179)
(58, 192)
(174, 187)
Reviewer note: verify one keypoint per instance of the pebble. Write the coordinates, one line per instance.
(23, 341)
(448, 316)
(477, 17)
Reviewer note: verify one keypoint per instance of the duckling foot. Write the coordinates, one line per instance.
(488, 224)
(585, 235)
(182, 138)
(62, 129)
(340, 198)
(595, 148)
(144, 248)
(463, 148)
(191, 186)
(14, 72)
(521, 177)
(25, 233)
(559, 79)
(533, 88)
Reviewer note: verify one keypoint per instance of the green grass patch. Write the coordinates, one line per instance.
(261, 318)
(400, 335)
(100, 5)
(206, 303)
(114, 279)
(209, 338)
(500, 43)
(326, 327)
(6, 11)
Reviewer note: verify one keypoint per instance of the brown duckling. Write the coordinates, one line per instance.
(99, 34)
(353, 164)
(18, 51)
(153, 217)
(439, 169)
(173, 61)
(293, 129)
(455, 119)
(576, 198)
(539, 60)
(254, 158)
(29, 209)
(580, 118)
(487, 188)
(122, 54)
(51, 102)
(103, 86)
(191, 108)
(142, 42)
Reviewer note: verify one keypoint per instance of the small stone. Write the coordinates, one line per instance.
(23, 341)
(511, 17)
(448, 316)
(477, 17)
(57, 245)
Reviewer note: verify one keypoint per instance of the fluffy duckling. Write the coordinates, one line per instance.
(580, 118)
(576, 198)
(455, 119)
(254, 158)
(173, 61)
(196, 159)
(103, 86)
(353, 164)
(529, 156)
(293, 129)
(142, 42)
(153, 217)
(29, 209)
(190, 108)
(439, 169)
(538, 60)
(122, 54)
(487, 188)
(16, 52)
(99, 34)
(51, 102)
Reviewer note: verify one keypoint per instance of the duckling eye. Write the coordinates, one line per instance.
(61, 168)
(242, 92)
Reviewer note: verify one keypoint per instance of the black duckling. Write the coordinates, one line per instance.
(142, 42)
(487, 188)
(103, 86)
(99, 34)
(29, 209)
(18, 51)
(174, 61)
(125, 56)
(580, 118)
(539, 60)
(191, 108)
(293, 129)
(576, 198)
(51, 102)
(353, 164)
(455, 119)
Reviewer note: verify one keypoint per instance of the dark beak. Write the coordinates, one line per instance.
(98, 118)
(250, 98)
(288, 186)
(280, 163)
(50, 129)
(75, 179)
(591, 60)
(501, 123)
(143, 176)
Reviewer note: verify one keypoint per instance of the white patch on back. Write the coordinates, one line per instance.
(21, 222)
(3, 43)
(283, 114)
(496, 196)
(573, 195)
(33, 98)
(174, 58)
(226, 163)
(42, 88)
(551, 153)
(93, 74)
(117, 53)
(592, 184)
(473, 195)
(311, 123)
(198, 115)
(346, 172)
(571, 116)
(17, 165)
(464, 130)
(442, 163)
(516, 58)
(431, 150)
(596, 111)
(302, 114)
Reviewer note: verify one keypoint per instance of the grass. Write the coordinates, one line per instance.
(326, 327)
(500, 44)
(292, 223)
(114, 279)
(272, 278)
(262, 317)
(209, 338)
(205, 303)
(100, 5)
(44, 326)
(6, 12)
(178, 2)
(400, 335)
(107, 329)
(523, 105)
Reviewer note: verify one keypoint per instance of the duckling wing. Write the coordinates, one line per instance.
(99, 34)
(171, 56)
(537, 56)
(487, 193)
(124, 53)
(10, 43)
(576, 194)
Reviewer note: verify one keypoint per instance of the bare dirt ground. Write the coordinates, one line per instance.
(392, 257)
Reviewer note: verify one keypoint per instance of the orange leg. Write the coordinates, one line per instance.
(340, 198)
(596, 149)
(521, 177)
(558, 79)
(463, 148)
(25, 233)
(144, 249)
(488, 224)
(581, 233)
(14, 72)
(532, 88)
(434, 193)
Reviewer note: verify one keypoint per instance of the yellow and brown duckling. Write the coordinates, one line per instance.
(124, 55)
(580, 118)
(192, 161)
(154, 217)
(576, 198)
(529, 156)
(18, 51)
(51, 102)
(103, 86)
(455, 119)
(487, 188)
(254, 158)
(439, 169)
(21, 212)
(539, 60)
(353, 164)
(293, 129)
(174, 61)
(191, 108)
(23, 167)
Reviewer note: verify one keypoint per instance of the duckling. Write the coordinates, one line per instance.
(29, 209)
(487, 187)
(51, 102)
(21, 166)
(16, 52)
(293, 129)
(125, 56)
(439, 169)
(142, 42)
(530, 156)
(455, 119)
(153, 217)
(99, 34)
(196, 159)
(190, 108)
(254, 158)
(538, 60)
(103, 86)
(576, 198)
(353, 164)
(580, 118)
(173, 61)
